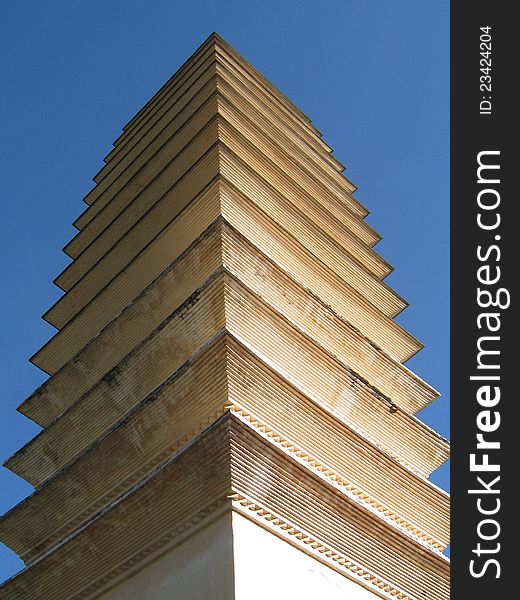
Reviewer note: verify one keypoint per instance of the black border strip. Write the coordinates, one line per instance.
(476, 129)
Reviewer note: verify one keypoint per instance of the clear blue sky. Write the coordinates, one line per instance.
(372, 75)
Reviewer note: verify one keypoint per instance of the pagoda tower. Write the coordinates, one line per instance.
(227, 414)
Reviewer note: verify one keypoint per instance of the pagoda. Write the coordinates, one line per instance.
(227, 414)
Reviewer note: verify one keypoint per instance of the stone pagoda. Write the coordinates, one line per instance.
(227, 414)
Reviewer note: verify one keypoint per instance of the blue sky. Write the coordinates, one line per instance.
(372, 75)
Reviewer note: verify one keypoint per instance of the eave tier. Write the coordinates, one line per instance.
(178, 116)
(302, 317)
(232, 466)
(392, 379)
(149, 174)
(224, 376)
(215, 149)
(213, 42)
(219, 197)
(224, 302)
(263, 91)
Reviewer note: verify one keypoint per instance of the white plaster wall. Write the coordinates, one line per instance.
(235, 559)
(200, 568)
(268, 568)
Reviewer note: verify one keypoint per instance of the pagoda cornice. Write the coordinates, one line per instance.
(225, 375)
(186, 489)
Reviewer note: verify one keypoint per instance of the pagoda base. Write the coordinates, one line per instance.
(235, 559)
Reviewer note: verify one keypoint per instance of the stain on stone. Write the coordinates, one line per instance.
(187, 304)
(112, 376)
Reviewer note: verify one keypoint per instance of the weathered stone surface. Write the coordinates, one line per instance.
(230, 466)
(226, 384)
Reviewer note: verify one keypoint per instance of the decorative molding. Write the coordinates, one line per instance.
(342, 484)
(259, 514)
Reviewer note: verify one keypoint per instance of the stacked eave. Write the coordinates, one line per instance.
(223, 270)
(188, 491)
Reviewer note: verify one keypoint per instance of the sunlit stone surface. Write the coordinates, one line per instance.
(227, 414)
